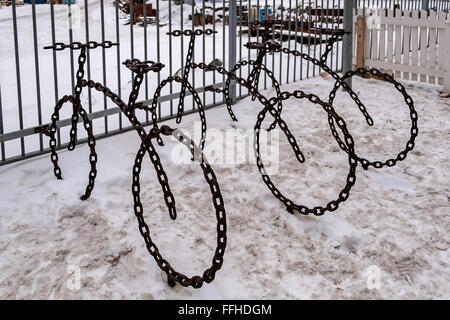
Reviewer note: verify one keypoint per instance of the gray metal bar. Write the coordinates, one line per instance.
(315, 48)
(158, 51)
(102, 113)
(337, 42)
(102, 17)
(302, 37)
(309, 37)
(281, 41)
(266, 16)
(273, 38)
(232, 44)
(119, 89)
(296, 39)
(193, 49)
(2, 145)
(182, 39)
(426, 5)
(36, 66)
(203, 50)
(146, 53)
(223, 37)
(55, 64)
(214, 47)
(320, 38)
(240, 42)
(248, 33)
(72, 71)
(88, 54)
(347, 41)
(19, 88)
(170, 56)
(131, 37)
(266, 10)
(289, 41)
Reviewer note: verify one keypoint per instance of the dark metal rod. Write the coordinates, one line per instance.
(347, 40)
(36, 66)
(296, 39)
(289, 41)
(158, 51)
(193, 49)
(55, 64)
(301, 47)
(146, 53)
(19, 88)
(214, 47)
(232, 44)
(2, 145)
(72, 70)
(203, 50)
(281, 39)
(88, 54)
(102, 17)
(119, 86)
(170, 55)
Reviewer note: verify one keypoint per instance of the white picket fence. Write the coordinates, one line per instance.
(412, 45)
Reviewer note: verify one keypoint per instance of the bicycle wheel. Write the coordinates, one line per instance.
(217, 261)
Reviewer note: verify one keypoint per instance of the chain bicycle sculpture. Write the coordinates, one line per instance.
(273, 106)
(140, 69)
(251, 83)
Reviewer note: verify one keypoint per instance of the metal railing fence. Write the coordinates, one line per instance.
(32, 80)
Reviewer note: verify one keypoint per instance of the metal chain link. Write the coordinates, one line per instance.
(140, 68)
(414, 131)
(272, 105)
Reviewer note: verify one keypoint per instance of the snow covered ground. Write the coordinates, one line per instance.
(390, 239)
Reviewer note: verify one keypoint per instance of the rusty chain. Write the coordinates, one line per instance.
(272, 105)
(333, 117)
(140, 68)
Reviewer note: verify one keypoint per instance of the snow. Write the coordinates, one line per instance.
(395, 221)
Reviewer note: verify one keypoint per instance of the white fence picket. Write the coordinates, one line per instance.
(423, 45)
(414, 44)
(390, 40)
(398, 43)
(406, 43)
(432, 47)
(411, 44)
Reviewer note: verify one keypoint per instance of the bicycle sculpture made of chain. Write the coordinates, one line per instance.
(140, 69)
(273, 106)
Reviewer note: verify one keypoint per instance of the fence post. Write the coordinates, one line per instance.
(232, 44)
(426, 5)
(360, 41)
(446, 53)
(347, 49)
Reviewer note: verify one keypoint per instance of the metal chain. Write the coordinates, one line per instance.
(59, 46)
(140, 68)
(77, 104)
(414, 131)
(217, 261)
(272, 105)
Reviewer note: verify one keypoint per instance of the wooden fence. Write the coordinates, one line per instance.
(413, 45)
